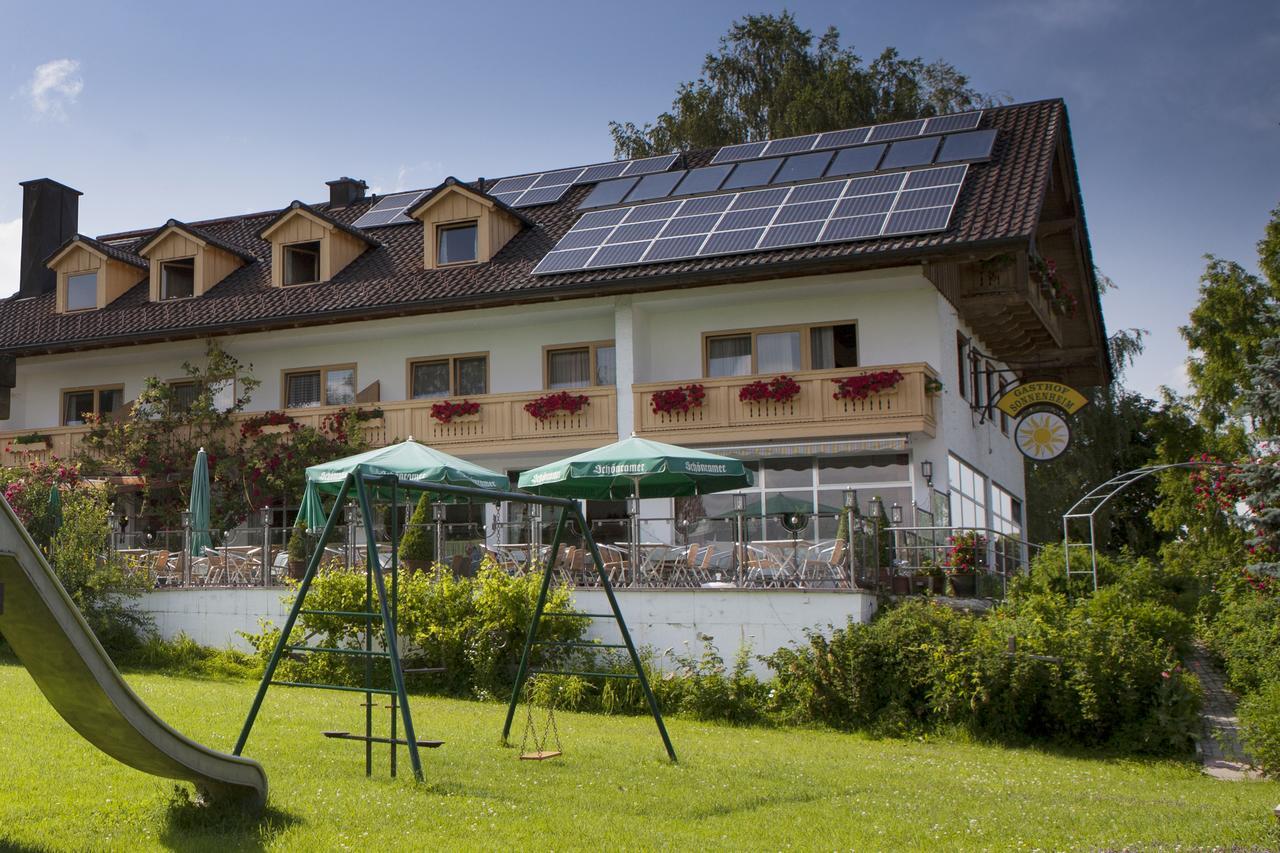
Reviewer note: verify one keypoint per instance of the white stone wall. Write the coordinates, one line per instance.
(766, 620)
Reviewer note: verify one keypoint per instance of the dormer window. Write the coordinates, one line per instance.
(82, 291)
(302, 263)
(461, 225)
(178, 279)
(456, 244)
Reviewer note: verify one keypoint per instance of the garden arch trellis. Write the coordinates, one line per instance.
(1087, 508)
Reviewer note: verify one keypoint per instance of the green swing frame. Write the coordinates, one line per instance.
(367, 487)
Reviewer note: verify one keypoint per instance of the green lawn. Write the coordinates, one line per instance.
(734, 788)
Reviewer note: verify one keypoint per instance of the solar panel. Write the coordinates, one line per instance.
(608, 193)
(947, 124)
(389, 210)
(802, 167)
(899, 203)
(548, 187)
(974, 145)
(752, 173)
(649, 165)
(657, 185)
(846, 138)
(853, 161)
(910, 152)
(704, 180)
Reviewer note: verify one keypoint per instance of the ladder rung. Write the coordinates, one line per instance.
(578, 644)
(379, 690)
(581, 615)
(359, 614)
(429, 744)
(583, 674)
(423, 669)
(362, 652)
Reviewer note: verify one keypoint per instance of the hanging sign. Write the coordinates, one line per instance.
(1018, 399)
(1042, 435)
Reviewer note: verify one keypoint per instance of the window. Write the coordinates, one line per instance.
(1006, 512)
(178, 279)
(460, 375)
(79, 402)
(222, 397)
(782, 350)
(968, 494)
(456, 244)
(302, 263)
(582, 366)
(82, 291)
(327, 386)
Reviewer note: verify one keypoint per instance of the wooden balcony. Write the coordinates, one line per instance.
(813, 413)
(502, 424)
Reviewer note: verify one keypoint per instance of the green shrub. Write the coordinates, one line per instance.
(703, 687)
(419, 541)
(473, 627)
(183, 656)
(1245, 633)
(1260, 727)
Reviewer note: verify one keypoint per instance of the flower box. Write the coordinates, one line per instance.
(864, 385)
(447, 411)
(558, 404)
(273, 429)
(679, 400)
(780, 389)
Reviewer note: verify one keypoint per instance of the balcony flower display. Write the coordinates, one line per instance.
(861, 387)
(30, 443)
(446, 410)
(779, 389)
(253, 427)
(549, 405)
(679, 399)
(1045, 271)
(965, 552)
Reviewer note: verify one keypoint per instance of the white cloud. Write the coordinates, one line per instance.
(10, 253)
(53, 87)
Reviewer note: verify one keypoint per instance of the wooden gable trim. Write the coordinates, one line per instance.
(148, 248)
(57, 261)
(434, 199)
(289, 216)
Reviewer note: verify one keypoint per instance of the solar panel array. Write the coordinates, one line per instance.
(845, 138)
(964, 146)
(390, 210)
(550, 187)
(898, 203)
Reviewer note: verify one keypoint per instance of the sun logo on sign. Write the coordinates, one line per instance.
(1042, 436)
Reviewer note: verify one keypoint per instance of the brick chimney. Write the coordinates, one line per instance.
(50, 217)
(345, 191)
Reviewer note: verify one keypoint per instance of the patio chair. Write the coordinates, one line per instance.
(161, 570)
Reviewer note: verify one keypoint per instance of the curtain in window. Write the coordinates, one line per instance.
(340, 387)
(606, 365)
(303, 389)
(822, 348)
(75, 405)
(472, 375)
(569, 368)
(430, 379)
(778, 352)
(110, 401)
(729, 356)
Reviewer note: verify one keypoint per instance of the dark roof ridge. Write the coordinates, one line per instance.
(472, 187)
(110, 251)
(358, 233)
(243, 254)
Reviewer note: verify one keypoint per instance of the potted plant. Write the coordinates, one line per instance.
(418, 546)
(297, 551)
(965, 556)
(936, 579)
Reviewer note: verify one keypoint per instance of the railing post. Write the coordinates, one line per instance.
(186, 549)
(266, 545)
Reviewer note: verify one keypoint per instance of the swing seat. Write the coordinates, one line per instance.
(429, 744)
(540, 756)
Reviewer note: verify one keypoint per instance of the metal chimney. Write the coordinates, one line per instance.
(50, 217)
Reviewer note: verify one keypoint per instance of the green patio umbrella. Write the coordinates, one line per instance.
(312, 511)
(407, 460)
(639, 468)
(55, 506)
(780, 503)
(199, 505)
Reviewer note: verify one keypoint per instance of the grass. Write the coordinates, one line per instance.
(734, 787)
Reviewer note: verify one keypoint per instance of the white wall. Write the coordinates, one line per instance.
(766, 620)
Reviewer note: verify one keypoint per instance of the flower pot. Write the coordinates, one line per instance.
(964, 585)
(297, 568)
(937, 584)
(274, 429)
(416, 565)
(902, 584)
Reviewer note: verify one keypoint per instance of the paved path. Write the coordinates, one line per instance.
(1221, 753)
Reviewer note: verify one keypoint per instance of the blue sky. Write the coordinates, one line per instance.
(199, 110)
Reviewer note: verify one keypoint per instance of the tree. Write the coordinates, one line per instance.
(770, 79)
(1259, 476)
(1227, 328)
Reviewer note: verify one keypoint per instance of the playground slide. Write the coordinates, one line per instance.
(55, 644)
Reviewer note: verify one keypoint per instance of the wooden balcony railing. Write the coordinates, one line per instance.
(501, 424)
(814, 412)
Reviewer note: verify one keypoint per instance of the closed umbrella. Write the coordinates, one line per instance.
(637, 468)
(55, 507)
(199, 505)
(311, 513)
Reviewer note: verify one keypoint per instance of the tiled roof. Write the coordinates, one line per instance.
(999, 203)
(201, 234)
(113, 252)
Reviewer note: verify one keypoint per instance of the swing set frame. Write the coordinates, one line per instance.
(382, 593)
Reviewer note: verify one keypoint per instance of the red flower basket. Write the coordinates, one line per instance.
(549, 405)
(780, 389)
(445, 411)
(861, 387)
(679, 399)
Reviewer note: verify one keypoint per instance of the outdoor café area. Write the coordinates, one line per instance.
(854, 546)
